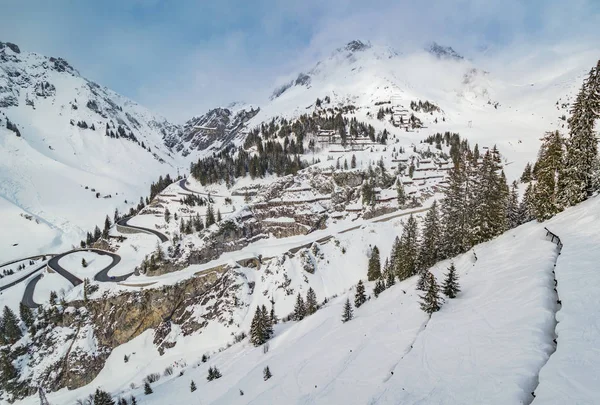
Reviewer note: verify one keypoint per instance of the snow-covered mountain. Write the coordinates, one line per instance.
(75, 152)
(183, 303)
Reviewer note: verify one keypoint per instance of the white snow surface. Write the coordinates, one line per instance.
(486, 346)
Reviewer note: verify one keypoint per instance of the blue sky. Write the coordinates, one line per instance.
(180, 58)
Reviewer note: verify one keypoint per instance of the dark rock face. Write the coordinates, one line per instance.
(443, 52)
(216, 128)
(10, 46)
(356, 46)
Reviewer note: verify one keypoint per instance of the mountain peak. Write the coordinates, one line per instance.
(357, 46)
(10, 46)
(443, 52)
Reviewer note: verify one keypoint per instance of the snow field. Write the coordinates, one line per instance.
(571, 375)
(48, 283)
(95, 263)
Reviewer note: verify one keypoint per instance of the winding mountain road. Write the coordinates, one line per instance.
(25, 277)
(28, 294)
(123, 223)
(182, 184)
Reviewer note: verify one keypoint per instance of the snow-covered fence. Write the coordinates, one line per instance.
(554, 238)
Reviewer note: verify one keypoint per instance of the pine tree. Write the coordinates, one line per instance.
(219, 218)
(379, 287)
(97, 233)
(454, 206)
(272, 315)
(348, 314)
(548, 168)
(451, 286)
(430, 242)
(133, 400)
(147, 388)
(267, 373)
(122, 401)
(261, 328)
(388, 274)
(422, 283)
(401, 195)
(83, 262)
(210, 216)
(102, 398)
(7, 369)
(167, 215)
(407, 255)
(513, 209)
(268, 325)
(299, 309)
(192, 386)
(526, 177)
(353, 162)
(374, 270)
(10, 326)
(526, 206)
(26, 315)
(311, 302)
(107, 225)
(577, 180)
(431, 301)
(360, 297)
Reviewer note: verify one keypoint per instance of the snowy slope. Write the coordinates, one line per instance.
(48, 173)
(486, 346)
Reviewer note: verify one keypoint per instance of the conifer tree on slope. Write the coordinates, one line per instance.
(311, 301)
(348, 314)
(451, 287)
(549, 166)
(513, 210)
(374, 271)
(526, 205)
(389, 274)
(10, 326)
(26, 315)
(268, 325)
(407, 258)
(577, 180)
(267, 373)
(102, 398)
(360, 297)
(431, 301)
(430, 241)
(489, 201)
(192, 386)
(455, 225)
(147, 388)
(299, 309)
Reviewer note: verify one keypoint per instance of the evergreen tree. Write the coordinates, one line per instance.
(192, 386)
(407, 255)
(267, 373)
(454, 206)
(360, 297)
(299, 309)
(311, 302)
(102, 398)
(379, 287)
(210, 216)
(219, 218)
(83, 262)
(526, 208)
(401, 195)
(261, 328)
(353, 162)
(374, 270)
(422, 283)
(133, 400)
(107, 225)
(581, 162)
(7, 370)
(430, 242)
(488, 217)
(513, 209)
(348, 314)
(97, 233)
(268, 325)
(388, 274)
(122, 401)
(451, 286)
(431, 301)
(147, 388)
(549, 166)
(273, 316)
(526, 177)
(167, 215)
(26, 315)
(10, 326)
(213, 373)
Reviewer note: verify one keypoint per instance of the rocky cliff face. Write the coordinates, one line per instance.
(213, 130)
(70, 345)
